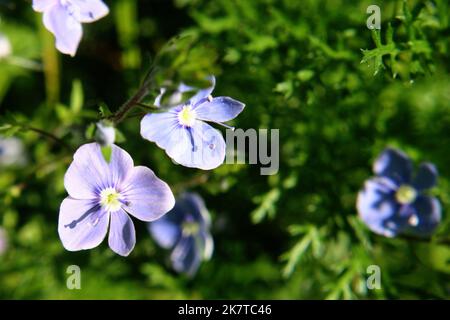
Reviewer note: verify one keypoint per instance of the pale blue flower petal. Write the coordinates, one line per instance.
(201, 94)
(89, 172)
(122, 236)
(146, 196)
(192, 204)
(186, 257)
(82, 225)
(426, 177)
(66, 29)
(376, 205)
(165, 232)
(90, 10)
(428, 211)
(158, 127)
(220, 109)
(207, 243)
(395, 165)
(43, 5)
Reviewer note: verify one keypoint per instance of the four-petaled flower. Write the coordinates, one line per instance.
(394, 202)
(63, 18)
(102, 194)
(185, 229)
(183, 134)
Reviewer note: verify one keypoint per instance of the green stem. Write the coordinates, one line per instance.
(134, 101)
(48, 135)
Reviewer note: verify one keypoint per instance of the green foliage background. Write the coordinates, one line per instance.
(338, 92)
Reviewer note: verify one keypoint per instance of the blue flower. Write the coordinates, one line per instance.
(63, 18)
(183, 134)
(185, 230)
(394, 202)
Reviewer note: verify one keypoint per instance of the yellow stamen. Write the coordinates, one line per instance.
(186, 117)
(406, 194)
(110, 200)
(190, 228)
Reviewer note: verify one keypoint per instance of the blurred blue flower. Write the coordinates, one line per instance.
(185, 230)
(3, 241)
(394, 202)
(182, 132)
(12, 152)
(63, 18)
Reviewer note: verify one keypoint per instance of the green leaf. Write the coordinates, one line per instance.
(104, 111)
(106, 152)
(90, 130)
(267, 206)
(76, 97)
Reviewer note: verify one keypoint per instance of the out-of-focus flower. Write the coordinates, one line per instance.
(12, 152)
(105, 135)
(394, 202)
(183, 133)
(100, 191)
(5, 47)
(185, 230)
(3, 241)
(63, 18)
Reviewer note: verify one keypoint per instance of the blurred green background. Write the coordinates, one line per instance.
(299, 67)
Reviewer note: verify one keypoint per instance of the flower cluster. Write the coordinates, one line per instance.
(394, 202)
(104, 191)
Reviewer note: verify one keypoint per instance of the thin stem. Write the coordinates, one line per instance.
(49, 135)
(123, 111)
(135, 100)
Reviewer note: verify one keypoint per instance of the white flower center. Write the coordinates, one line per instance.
(406, 194)
(110, 200)
(186, 117)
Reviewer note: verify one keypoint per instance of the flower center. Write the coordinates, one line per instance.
(110, 200)
(190, 228)
(406, 194)
(186, 117)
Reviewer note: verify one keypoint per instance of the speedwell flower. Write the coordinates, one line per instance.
(185, 230)
(183, 133)
(63, 18)
(102, 194)
(394, 202)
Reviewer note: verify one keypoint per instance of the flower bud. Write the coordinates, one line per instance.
(105, 134)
